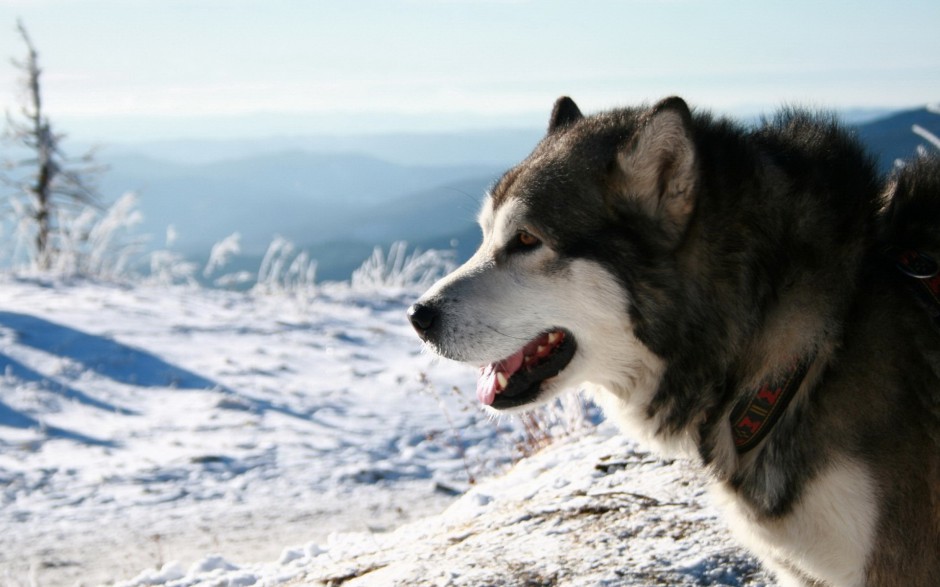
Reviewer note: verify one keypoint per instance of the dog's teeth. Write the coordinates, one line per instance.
(542, 350)
(553, 337)
(501, 380)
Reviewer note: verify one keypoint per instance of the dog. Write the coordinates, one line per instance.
(756, 298)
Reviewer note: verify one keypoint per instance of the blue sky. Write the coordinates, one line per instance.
(139, 68)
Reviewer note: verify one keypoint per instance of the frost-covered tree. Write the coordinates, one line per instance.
(42, 182)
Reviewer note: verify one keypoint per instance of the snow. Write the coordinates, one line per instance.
(154, 435)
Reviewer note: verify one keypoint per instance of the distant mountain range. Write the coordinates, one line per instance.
(308, 198)
(891, 138)
(338, 197)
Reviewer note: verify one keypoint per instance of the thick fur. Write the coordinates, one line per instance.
(692, 259)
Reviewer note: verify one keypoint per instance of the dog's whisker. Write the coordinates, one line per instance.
(503, 334)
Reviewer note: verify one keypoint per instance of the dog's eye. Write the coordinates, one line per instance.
(523, 241)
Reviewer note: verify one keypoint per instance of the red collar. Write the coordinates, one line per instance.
(753, 417)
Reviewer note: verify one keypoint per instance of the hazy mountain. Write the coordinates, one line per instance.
(472, 147)
(309, 198)
(338, 197)
(891, 137)
(440, 218)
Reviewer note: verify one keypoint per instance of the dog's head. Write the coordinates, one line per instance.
(546, 303)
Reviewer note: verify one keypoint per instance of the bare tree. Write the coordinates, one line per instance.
(46, 180)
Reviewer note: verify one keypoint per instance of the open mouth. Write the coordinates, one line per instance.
(517, 380)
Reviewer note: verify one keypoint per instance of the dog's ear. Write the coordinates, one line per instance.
(564, 113)
(657, 167)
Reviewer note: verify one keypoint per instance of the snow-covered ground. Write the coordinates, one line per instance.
(180, 436)
(589, 510)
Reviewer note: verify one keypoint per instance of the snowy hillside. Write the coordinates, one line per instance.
(179, 436)
(590, 510)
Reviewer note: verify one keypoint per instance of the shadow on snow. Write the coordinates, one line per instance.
(111, 359)
(11, 367)
(102, 355)
(14, 419)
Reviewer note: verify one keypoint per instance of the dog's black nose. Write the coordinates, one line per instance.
(422, 318)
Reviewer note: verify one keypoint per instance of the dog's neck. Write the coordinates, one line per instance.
(787, 352)
(786, 339)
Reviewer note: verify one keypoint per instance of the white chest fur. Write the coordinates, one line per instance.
(827, 536)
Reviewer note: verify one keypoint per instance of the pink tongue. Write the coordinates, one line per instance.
(487, 385)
